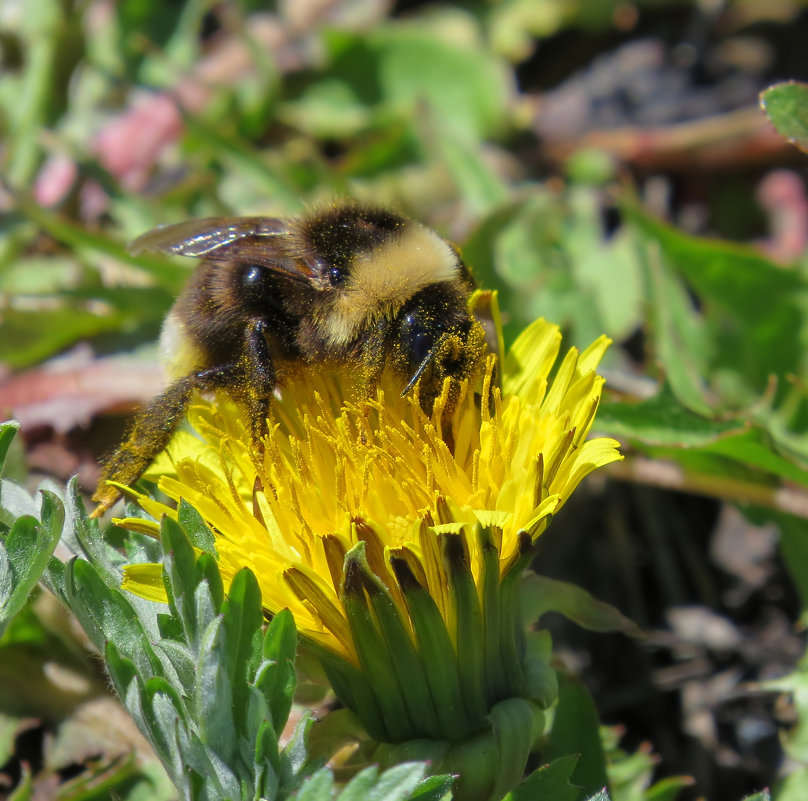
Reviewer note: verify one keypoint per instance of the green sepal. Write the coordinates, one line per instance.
(329, 734)
(374, 657)
(475, 761)
(469, 633)
(437, 654)
(409, 670)
(512, 636)
(352, 687)
(517, 724)
(495, 680)
(541, 679)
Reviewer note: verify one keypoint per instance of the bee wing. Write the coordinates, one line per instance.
(257, 240)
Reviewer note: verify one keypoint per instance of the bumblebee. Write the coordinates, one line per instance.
(350, 286)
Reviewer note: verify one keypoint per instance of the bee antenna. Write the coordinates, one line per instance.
(423, 365)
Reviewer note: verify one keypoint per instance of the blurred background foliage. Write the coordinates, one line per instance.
(601, 163)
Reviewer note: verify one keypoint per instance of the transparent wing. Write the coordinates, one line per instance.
(256, 240)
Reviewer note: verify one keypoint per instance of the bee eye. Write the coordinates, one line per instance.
(336, 276)
(416, 340)
(253, 275)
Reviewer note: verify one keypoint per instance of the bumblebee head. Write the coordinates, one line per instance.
(438, 338)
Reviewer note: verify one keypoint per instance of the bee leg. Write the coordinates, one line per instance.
(148, 435)
(257, 374)
(250, 380)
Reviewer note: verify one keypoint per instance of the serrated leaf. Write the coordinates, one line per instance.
(549, 781)
(575, 730)
(786, 106)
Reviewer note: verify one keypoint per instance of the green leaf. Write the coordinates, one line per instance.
(106, 614)
(793, 787)
(794, 549)
(28, 337)
(576, 731)
(214, 703)
(434, 788)
(754, 449)
(170, 274)
(668, 789)
(25, 787)
(195, 527)
(786, 106)
(26, 552)
(662, 420)
(541, 594)
(551, 781)
(241, 621)
(516, 723)
(681, 344)
(7, 433)
(277, 679)
(763, 795)
(183, 575)
(748, 342)
(394, 784)
(317, 787)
